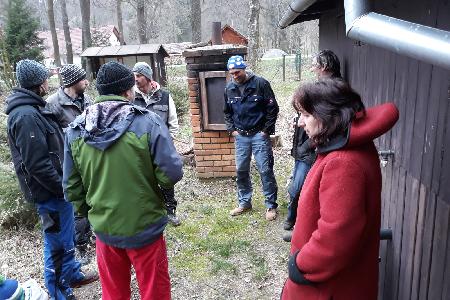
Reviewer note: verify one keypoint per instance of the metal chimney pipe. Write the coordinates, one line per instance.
(295, 8)
(405, 38)
(216, 38)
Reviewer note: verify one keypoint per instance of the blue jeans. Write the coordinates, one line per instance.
(295, 186)
(60, 266)
(261, 148)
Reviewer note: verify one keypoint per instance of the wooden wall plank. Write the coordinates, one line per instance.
(409, 96)
(423, 102)
(444, 186)
(390, 269)
(387, 204)
(441, 232)
(398, 231)
(439, 90)
(431, 130)
(418, 244)
(408, 237)
(446, 291)
(427, 244)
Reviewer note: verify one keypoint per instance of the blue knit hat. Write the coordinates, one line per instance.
(236, 62)
(144, 69)
(30, 73)
(10, 289)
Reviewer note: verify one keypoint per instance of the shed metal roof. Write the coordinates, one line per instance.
(124, 50)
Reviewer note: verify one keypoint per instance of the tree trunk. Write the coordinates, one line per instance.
(196, 21)
(120, 21)
(253, 32)
(86, 41)
(67, 37)
(51, 22)
(142, 22)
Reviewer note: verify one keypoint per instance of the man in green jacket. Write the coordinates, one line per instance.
(117, 155)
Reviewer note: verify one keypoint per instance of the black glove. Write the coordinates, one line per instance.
(294, 272)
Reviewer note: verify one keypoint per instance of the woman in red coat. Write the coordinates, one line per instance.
(334, 252)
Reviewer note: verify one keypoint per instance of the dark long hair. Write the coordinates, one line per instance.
(332, 101)
(328, 60)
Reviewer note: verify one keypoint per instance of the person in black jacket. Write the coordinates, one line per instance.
(66, 104)
(36, 143)
(325, 64)
(251, 111)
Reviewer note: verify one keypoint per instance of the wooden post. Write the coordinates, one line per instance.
(284, 67)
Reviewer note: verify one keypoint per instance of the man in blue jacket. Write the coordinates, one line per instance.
(251, 111)
(36, 143)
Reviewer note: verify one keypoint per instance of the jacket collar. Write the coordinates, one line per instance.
(335, 143)
(364, 128)
(64, 99)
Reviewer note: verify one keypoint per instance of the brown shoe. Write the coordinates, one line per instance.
(239, 211)
(271, 214)
(89, 277)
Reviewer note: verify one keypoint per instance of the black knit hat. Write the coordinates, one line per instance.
(71, 74)
(30, 73)
(114, 78)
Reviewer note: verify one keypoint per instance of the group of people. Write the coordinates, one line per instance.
(335, 190)
(111, 165)
(108, 164)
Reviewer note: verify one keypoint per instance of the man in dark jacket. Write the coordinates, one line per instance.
(250, 114)
(36, 144)
(148, 94)
(66, 104)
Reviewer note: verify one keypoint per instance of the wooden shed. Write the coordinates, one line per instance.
(415, 264)
(153, 54)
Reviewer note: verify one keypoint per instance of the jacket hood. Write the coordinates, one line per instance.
(365, 128)
(104, 122)
(21, 96)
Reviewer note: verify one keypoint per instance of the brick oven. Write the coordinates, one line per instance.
(207, 75)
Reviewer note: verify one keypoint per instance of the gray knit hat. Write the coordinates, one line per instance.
(114, 78)
(30, 73)
(71, 74)
(144, 69)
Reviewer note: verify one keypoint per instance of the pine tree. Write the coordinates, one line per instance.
(21, 38)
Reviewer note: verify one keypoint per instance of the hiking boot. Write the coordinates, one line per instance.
(239, 211)
(173, 219)
(89, 277)
(288, 225)
(271, 214)
(287, 236)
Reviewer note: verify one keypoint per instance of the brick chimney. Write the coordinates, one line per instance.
(207, 72)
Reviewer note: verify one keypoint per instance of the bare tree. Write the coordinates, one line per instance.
(120, 21)
(86, 41)
(51, 22)
(196, 21)
(67, 37)
(141, 22)
(253, 32)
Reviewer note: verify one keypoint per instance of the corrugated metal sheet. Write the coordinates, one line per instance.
(124, 50)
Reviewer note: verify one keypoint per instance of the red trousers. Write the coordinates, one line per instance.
(149, 262)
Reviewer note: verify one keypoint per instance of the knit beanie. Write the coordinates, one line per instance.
(144, 69)
(30, 73)
(10, 289)
(71, 74)
(114, 78)
(236, 62)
